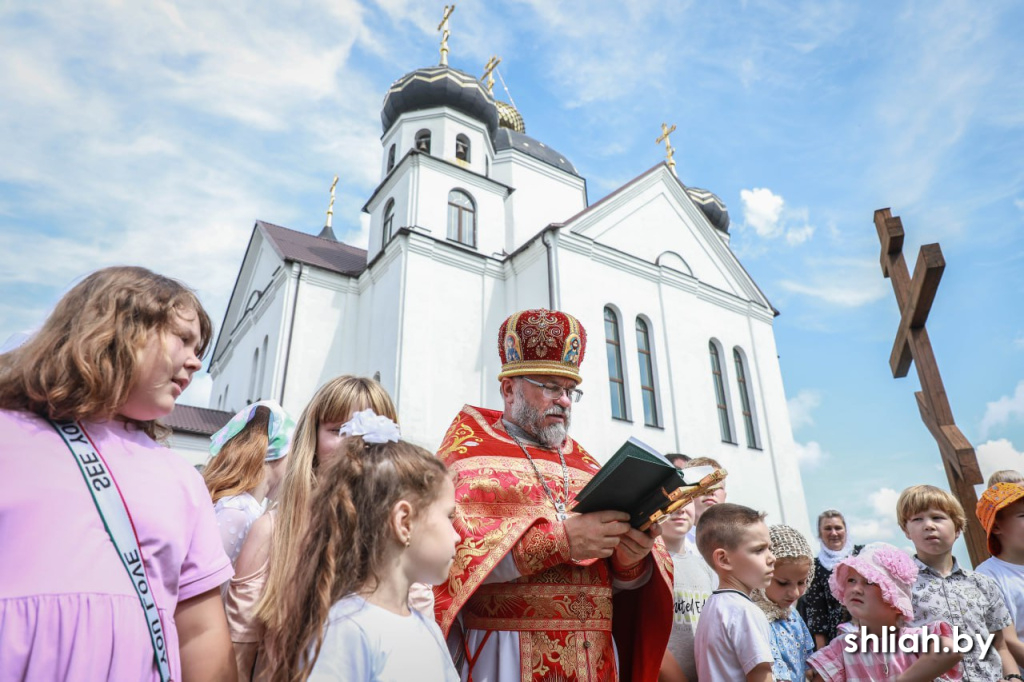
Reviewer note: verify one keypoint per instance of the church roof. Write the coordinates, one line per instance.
(301, 247)
(511, 139)
(439, 86)
(202, 421)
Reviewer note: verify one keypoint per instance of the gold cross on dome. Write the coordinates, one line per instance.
(443, 27)
(669, 149)
(489, 68)
(330, 207)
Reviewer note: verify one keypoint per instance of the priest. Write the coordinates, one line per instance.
(537, 592)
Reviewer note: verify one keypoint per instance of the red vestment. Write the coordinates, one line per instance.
(561, 610)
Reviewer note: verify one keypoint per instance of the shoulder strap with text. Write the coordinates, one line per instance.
(118, 521)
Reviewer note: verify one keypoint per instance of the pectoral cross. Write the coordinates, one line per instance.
(489, 68)
(915, 297)
(330, 207)
(443, 27)
(669, 149)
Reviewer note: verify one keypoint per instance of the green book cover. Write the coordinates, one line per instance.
(640, 481)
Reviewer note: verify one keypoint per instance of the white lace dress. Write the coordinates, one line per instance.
(235, 515)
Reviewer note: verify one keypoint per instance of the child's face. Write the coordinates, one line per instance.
(433, 539)
(932, 532)
(678, 524)
(864, 601)
(164, 369)
(705, 502)
(1009, 526)
(752, 561)
(789, 581)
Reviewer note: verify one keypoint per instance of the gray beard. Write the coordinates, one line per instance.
(529, 419)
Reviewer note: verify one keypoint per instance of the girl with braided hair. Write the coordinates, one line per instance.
(380, 520)
(790, 639)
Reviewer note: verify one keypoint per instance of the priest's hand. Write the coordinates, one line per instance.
(634, 546)
(595, 535)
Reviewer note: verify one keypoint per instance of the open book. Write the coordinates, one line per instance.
(640, 481)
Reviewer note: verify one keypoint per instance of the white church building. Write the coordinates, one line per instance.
(473, 220)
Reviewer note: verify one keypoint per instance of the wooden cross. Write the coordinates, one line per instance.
(915, 297)
(489, 68)
(669, 149)
(443, 27)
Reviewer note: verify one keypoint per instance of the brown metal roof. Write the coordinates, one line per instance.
(199, 420)
(328, 254)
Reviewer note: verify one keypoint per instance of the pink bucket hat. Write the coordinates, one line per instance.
(889, 568)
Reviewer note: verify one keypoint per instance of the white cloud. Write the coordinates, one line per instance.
(844, 282)
(1018, 342)
(809, 455)
(873, 529)
(1001, 411)
(800, 407)
(883, 502)
(766, 212)
(995, 455)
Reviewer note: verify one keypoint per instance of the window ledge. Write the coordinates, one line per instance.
(622, 419)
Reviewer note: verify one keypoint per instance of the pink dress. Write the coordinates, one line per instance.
(834, 664)
(67, 607)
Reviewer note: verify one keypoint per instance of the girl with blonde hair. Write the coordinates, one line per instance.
(112, 560)
(254, 599)
(381, 520)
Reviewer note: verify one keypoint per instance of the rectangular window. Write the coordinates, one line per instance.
(616, 380)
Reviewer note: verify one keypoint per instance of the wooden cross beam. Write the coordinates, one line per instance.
(915, 297)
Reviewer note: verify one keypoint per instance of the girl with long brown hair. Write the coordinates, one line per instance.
(246, 467)
(381, 520)
(274, 542)
(111, 557)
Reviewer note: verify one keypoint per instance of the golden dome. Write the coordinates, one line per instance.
(509, 117)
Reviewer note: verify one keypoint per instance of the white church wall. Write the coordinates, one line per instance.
(444, 125)
(429, 200)
(373, 333)
(254, 328)
(398, 188)
(194, 448)
(318, 351)
(543, 195)
(447, 328)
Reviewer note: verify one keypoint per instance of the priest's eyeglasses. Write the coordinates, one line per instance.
(554, 391)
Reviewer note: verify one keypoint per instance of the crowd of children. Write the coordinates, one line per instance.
(334, 527)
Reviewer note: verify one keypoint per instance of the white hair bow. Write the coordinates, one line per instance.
(374, 428)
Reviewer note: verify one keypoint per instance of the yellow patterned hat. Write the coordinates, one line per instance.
(999, 496)
(541, 342)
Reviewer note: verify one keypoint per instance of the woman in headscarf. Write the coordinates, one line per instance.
(822, 612)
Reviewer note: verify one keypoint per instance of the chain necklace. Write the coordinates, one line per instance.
(559, 506)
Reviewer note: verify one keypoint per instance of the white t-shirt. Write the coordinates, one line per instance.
(694, 581)
(733, 637)
(235, 516)
(365, 643)
(1010, 578)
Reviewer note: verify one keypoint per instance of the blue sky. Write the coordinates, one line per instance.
(156, 133)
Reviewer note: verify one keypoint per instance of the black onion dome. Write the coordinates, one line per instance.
(510, 139)
(711, 206)
(439, 86)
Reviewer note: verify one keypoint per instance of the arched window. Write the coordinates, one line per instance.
(745, 402)
(462, 147)
(461, 218)
(253, 375)
(423, 141)
(724, 423)
(616, 378)
(391, 157)
(388, 223)
(643, 349)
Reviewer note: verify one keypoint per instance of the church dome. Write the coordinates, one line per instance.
(711, 206)
(439, 86)
(509, 117)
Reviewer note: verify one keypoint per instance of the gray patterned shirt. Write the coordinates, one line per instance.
(967, 600)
